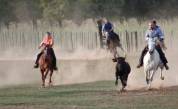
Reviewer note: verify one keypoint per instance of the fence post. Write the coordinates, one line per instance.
(127, 41)
(71, 41)
(131, 42)
(136, 40)
(96, 41)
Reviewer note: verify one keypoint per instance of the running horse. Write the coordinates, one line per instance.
(112, 43)
(152, 61)
(46, 66)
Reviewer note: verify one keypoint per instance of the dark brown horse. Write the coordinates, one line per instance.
(122, 71)
(111, 43)
(46, 66)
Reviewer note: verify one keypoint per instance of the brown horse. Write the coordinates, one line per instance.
(113, 43)
(45, 64)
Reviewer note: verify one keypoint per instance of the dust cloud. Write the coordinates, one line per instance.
(76, 67)
(82, 66)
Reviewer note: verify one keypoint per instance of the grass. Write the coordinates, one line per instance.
(96, 95)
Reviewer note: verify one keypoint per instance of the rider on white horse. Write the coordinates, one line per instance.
(154, 31)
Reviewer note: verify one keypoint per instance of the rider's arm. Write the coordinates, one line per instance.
(42, 42)
(111, 27)
(51, 42)
(160, 34)
(161, 38)
(103, 29)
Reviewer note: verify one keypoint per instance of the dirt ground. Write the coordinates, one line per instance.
(20, 82)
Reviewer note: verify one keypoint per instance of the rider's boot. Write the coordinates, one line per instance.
(140, 65)
(54, 65)
(55, 68)
(36, 65)
(166, 66)
(115, 57)
(114, 60)
(141, 57)
(36, 62)
(162, 57)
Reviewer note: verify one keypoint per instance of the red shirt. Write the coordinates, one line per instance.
(47, 40)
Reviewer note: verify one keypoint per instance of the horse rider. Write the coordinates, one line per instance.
(47, 41)
(154, 31)
(107, 29)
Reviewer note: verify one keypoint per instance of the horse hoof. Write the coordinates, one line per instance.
(149, 88)
(122, 90)
(50, 84)
(162, 78)
(42, 86)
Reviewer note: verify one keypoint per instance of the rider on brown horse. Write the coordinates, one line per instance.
(107, 28)
(47, 41)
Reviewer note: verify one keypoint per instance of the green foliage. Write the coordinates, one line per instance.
(79, 10)
(5, 11)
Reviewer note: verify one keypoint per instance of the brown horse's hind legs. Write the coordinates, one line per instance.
(50, 78)
(46, 74)
(43, 79)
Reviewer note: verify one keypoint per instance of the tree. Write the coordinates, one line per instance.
(54, 10)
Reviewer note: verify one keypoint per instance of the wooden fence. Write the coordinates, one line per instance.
(131, 41)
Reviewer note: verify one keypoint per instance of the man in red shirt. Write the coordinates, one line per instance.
(47, 41)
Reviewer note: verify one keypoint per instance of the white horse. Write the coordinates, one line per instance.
(152, 61)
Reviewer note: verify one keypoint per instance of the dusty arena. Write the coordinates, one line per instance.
(86, 76)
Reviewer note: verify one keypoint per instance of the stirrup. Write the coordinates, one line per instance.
(35, 66)
(138, 66)
(114, 60)
(166, 67)
(55, 68)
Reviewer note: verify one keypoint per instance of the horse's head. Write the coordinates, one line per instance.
(120, 59)
(47, 50)
(152, 44)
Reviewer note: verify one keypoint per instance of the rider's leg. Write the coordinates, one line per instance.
(142, 56)
(116, 35)
(54, 59)
(162, 57)
(111, 39)
(38, 57)
(118, 41)
(115, 55)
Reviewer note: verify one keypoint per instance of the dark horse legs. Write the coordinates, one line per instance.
(123, 79)
(50, 78)
(44, 75)
(54, 58)
(43, 78)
